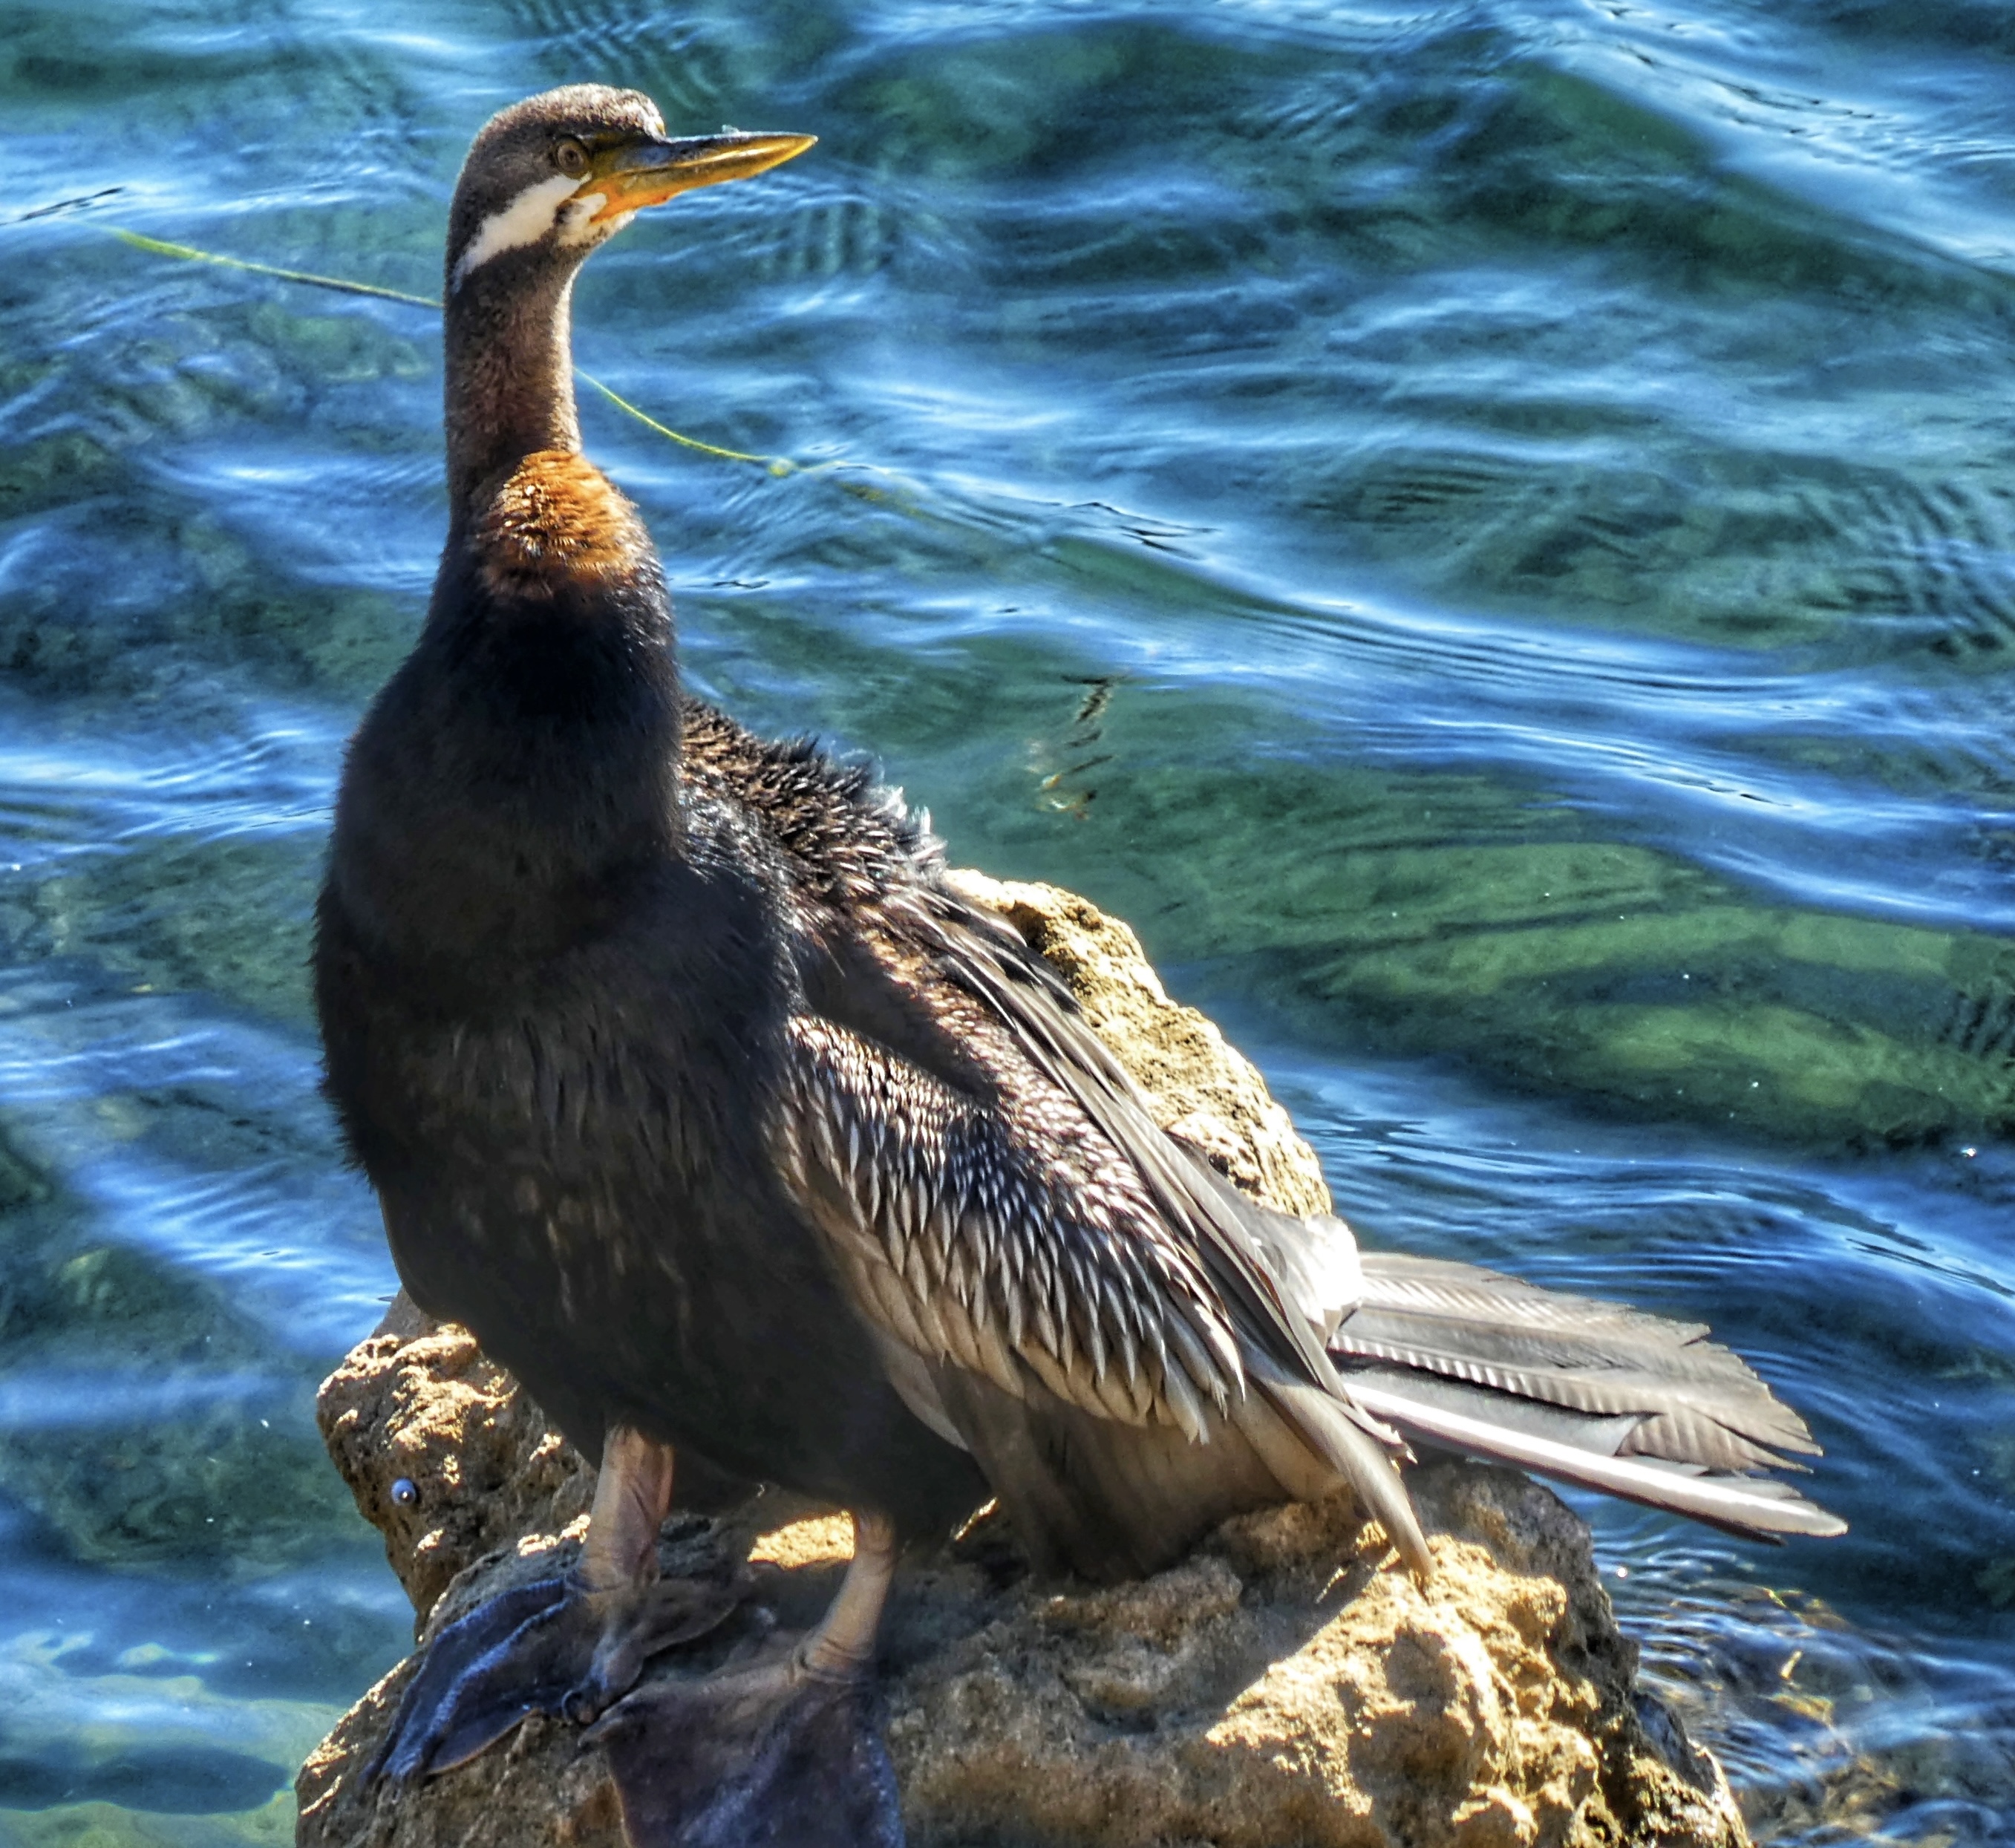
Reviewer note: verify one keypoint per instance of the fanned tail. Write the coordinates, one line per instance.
(1607, 1397)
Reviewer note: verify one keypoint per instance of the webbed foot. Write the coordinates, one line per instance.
(552, 1647)
(771, 1751)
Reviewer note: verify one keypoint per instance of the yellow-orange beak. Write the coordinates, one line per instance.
(648, 173)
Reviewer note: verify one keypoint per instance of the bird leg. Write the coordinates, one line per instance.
(784, 1748)
(841, 1649)
(571, 1646)
(617, 1577)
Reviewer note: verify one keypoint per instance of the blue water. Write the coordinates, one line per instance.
(1487, 531)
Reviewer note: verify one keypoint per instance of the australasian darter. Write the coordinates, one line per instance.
(688, 1083)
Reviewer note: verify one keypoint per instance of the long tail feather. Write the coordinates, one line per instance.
(1608, 1397)
(1756, 1508)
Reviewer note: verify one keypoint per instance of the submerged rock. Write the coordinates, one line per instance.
(1288, 1683)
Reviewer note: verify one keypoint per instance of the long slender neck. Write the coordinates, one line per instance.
(510, 374)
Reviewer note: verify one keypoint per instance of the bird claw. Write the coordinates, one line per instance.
(551, 1647)
(766, 1752)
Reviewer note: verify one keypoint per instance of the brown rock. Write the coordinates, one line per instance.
(484, 1466)
(1287, 1683)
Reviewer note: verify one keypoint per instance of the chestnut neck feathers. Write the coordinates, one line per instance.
(516, 236)
(521, 771)
(535, 532)
(509, 385)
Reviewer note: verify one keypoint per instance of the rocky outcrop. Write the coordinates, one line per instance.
(446, 1458)
(1287, 1683)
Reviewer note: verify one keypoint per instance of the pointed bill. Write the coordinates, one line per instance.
(629, 178)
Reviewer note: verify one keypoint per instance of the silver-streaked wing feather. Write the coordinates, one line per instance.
(941, 1000)
(1235, 1240)
(1035, 1259)
(1106, 1237)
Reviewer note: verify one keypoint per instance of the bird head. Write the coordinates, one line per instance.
(550, 179)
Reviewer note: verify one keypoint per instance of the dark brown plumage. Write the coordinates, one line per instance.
(686, 1082)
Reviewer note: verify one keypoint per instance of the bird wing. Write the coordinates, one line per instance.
(1262, 1264)
(1011, 1244)
(1051, 1090)
(1033, 1225)
(1000, 1197)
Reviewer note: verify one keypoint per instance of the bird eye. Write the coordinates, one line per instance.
(571, 158)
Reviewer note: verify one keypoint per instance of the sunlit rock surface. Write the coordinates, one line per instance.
(1287, 1683)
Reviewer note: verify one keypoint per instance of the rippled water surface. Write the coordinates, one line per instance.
(1485, 530)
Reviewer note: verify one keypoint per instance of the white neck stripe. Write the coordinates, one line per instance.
(526, 220)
